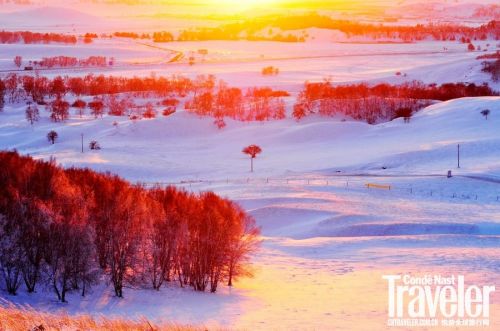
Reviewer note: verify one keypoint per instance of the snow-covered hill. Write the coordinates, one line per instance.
(185, 146)
(47, 17)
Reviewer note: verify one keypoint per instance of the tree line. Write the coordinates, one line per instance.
(37, 88)
(28, 37)
(70, 61)
(378, 31)
(207, 96)
(491, 65)
(70, 229)
(251, 30)
(379, 102)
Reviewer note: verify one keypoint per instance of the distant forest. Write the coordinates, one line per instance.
(284, 28)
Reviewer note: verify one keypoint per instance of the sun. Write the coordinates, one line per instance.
(243, 4)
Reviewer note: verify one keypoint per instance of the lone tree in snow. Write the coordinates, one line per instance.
(32, 114)
(52, 136)
(253, 151)
(18, 60)
(485, 113)
(94, 145)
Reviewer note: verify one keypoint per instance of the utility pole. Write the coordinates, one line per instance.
(458, 156)
(82, 142)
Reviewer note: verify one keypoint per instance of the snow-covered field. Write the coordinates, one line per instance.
(240, 63)
(327, 238)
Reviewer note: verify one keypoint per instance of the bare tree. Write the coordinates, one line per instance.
(34, 233)
(32, 114)
(80, 105)
(252, 151)
(59, 110)
(485, 113)
(239, 250)
(125, 237)
(18, 60)
(96, 107)
(10, 255)
(94, 145)
(52, 136)
(2, 95)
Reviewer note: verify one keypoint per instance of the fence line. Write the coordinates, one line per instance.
(354, 183)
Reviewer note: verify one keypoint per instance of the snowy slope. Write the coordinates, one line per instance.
(322, 230)
(184, 146)
(47, 17)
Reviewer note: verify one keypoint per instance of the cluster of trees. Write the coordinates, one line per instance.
(131, 35)
(69, 61)
(220, 100)
(89, 37)
(379, 102)
(234, 31)
(37, 87)
(377, 31)
(28, 37)
(70, 229)
(491, 65)
(212, 97)
(493, 68)
(270, 71)
(252, 30)
(122, 106)
(163, 37)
